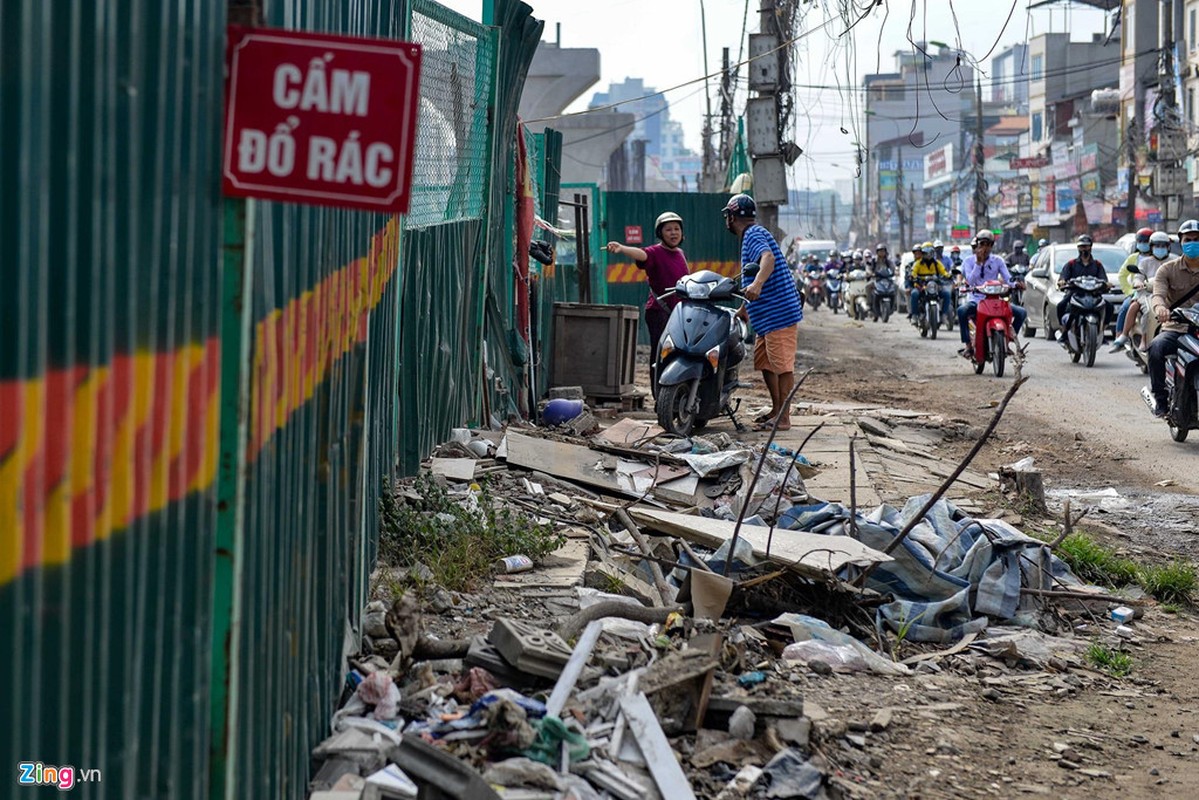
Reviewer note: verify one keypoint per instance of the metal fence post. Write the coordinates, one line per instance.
(237, 279)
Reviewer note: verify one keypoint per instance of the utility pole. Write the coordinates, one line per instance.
(981, 220)
(726, 125)
(900, 205)
(832, 214)
(1168, 176)
(767, 112)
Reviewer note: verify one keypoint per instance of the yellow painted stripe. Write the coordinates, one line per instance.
(12, 478)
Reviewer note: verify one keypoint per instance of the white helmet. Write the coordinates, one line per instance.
(938, 243)
(1159, 237)
(663, 218)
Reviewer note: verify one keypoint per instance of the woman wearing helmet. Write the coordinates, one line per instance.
(663, 265)
(1140, 248)
(1144, 271)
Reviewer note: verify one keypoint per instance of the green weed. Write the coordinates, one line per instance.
(458, 543)
(1113, 662)
(1173, 583)
(1094, 563)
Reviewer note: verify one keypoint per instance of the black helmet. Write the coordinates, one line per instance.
(1086, 239)
(741, 205)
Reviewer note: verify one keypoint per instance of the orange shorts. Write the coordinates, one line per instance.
(775, 351)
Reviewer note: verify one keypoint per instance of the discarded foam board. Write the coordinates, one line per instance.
(805, 552)
(456, 469)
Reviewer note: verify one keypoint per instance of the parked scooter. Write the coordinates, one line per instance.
(1182, 378)
(1083, 331)
(928, 306)
(857, 298)
(884, 293)
(992, 329)
(699, 352)
(1147, 324)
(832, 289)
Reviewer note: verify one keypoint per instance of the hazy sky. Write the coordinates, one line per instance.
(662, 42)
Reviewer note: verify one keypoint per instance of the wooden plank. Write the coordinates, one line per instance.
(811, 553)
(659, 756)
(456, 469)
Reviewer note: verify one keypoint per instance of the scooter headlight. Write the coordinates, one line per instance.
(713, 356)
(667, 347)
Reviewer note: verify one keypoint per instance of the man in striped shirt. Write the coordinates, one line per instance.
(773, 307)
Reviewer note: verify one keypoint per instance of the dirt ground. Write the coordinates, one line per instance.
(1130, 738)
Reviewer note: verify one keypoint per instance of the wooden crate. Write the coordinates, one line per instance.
(595, 346)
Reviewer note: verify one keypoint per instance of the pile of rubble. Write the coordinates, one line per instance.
(662, 652)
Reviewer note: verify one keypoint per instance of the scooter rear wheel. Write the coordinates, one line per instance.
(1178, 433)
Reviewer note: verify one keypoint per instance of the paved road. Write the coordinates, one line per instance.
(1102, 402)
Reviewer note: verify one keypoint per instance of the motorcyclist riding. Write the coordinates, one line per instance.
(1143, 271)
(939, 250)
(1083, 265)
(1140, 248)
(955, 257)
(1176, 284)
(928, 267)
(1018, 256)
(978, 268)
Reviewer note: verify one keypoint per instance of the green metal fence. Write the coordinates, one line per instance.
(202, 398)
(707, 244)
(110, 224)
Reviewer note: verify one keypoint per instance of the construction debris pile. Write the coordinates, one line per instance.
(663, 649)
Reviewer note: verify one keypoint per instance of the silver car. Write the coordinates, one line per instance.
(1041, 294)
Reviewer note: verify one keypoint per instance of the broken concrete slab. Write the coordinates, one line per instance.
(630, 433)
(454, 469)
(570, 462)
(561, 569)
(808, 553)
(530, 649)
(675, 685)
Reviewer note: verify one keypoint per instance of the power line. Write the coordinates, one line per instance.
(738, 65)
(615, 128)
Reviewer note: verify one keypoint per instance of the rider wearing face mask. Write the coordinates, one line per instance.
(1146, 267)
(1176, 283)
(1127, 269)
(1084, 265)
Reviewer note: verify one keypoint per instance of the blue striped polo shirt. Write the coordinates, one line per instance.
(778, 306)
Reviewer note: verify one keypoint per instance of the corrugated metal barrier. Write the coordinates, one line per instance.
(200, 399)
(707, 244)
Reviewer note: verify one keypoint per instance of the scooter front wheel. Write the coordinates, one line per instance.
(673, 414)
(1091, 342)
(998, 351)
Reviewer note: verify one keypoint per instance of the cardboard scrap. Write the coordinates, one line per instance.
(812, 553)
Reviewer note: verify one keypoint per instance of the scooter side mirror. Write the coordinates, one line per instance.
(1042, 272)
(751, 270)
